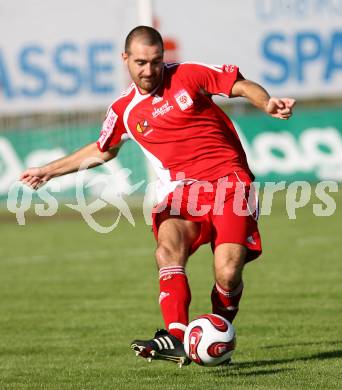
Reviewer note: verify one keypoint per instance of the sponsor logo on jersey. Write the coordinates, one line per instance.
(108, 127)
(183, 99)
(162, 110)
(157, 99)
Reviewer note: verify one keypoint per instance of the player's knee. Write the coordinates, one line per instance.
(229, 277)
(228, 272)
(229, 263)
(167, 256)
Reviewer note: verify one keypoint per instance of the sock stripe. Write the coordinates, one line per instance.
(171, 273)
(176, 270)
(177, 325)
(230, 293)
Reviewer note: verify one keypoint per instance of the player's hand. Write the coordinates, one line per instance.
(34, 177)
(280, 108)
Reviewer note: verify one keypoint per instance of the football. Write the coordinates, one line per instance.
(209, 340)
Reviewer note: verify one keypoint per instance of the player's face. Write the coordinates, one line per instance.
(145, 65)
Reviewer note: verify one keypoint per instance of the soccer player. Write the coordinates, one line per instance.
(203, 172)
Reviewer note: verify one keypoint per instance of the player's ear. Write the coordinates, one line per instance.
(124, 57)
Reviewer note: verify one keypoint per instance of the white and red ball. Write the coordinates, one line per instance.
(209, 340)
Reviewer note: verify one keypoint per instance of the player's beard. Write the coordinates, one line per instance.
(149, 84)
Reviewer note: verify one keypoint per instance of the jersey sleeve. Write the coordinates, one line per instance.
(213, 79)
(113, 130)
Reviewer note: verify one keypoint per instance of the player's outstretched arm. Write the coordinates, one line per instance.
(36, 177)
(277, 107)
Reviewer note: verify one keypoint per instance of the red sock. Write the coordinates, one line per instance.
(226, 302)
(174, 299)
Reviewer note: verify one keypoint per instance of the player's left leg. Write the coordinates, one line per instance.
(236, 241)
(229, 260)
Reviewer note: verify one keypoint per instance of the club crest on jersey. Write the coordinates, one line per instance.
(143, 126)
(183, 99)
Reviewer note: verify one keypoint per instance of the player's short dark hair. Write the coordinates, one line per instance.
(148, 35)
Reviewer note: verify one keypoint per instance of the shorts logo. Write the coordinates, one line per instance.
(250, 240)
(108, 127)
(183, 99)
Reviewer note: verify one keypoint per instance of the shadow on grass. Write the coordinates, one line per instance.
(332, 342)
(238, 369)
(230, 371)
(318, 356)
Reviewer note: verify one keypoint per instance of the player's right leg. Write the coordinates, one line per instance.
(175, 238)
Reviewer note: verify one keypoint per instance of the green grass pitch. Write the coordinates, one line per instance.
(73, 299)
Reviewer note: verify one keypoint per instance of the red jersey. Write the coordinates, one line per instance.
(183, 133)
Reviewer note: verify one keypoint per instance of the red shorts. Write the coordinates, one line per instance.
(225, 209)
